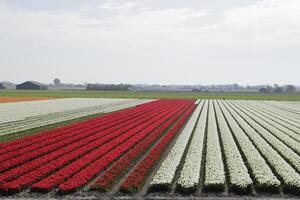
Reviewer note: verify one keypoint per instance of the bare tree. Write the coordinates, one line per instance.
(290, 88)
(56, 82)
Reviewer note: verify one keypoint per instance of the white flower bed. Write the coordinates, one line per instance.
(288, 137)
(239, 179)
(289, 115)
(197, 101)
(190, 173)
(33, 121)
(165, 174)
(290, 106)
(20, 110)
(284, 150)
(282, 123)
(290, 178)
(214, 169)
(263, 177)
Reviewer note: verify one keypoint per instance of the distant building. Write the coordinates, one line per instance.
(66, 86)
(263, 90)
(2, 87)
(108, 87)
(8, 85)
(31, 85)
(56, 82)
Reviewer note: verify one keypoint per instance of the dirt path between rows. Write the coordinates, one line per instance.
(21, 99)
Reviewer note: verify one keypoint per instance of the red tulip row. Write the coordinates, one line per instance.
(85, 146)
(16, 144)
(62, 141)
(78, 148)
(137, 177)
(53, 135)
(106, 181)
(62, 136)
(36, 138)
(84, 176)
(73, 168)
(72, 158)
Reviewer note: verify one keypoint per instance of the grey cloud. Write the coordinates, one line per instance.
(153, 41)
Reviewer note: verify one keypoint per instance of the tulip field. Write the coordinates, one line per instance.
(15, 117)
(158, 149)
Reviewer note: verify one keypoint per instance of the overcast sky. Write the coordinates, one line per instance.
(151, 41)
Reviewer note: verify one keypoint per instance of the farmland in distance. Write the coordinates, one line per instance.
(152, 95)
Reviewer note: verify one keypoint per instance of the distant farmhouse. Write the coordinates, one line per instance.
(31, 85)
(2, 86)
(8, 85)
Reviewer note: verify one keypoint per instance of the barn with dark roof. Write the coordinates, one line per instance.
(31, 85)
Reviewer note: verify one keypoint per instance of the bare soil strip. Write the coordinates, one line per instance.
(21, 99)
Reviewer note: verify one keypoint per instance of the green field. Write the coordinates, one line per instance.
(153, 95)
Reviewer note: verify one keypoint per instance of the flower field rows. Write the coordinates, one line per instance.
(285, 115)
(291, 107)
(70, 157)
(164, 176)
(232, 149)
(281, 123)
(16, 117)
(190, 173)
(158, 147)
(239, 178)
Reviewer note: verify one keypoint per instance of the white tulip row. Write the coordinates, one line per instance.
(285, 114)
(288, 175)
(190, 173)
(288, 128)
(239, 179)
(283, 149)
(166, 172)
(25, 125)
(292, 116)
(289, 106)
(276, 116)
(66, 115)
(103, 107)
(263, 177)
(214, 169)
(287, 136)
(51, 118)
(59, 114)
(197, 101)
(20, 110)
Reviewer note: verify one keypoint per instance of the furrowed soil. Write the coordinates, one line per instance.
(21, 99)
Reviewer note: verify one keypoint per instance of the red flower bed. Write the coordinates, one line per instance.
(119, 168)
(90, 143)
(136, 178)
(44, 136)
(76, 136)
(84, 176)
(29, 143)
(82, 162)
(71, 156)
